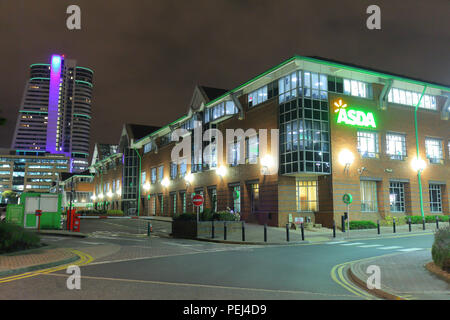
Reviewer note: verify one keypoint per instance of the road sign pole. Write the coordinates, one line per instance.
(348, 220)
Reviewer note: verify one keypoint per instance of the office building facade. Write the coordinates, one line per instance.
(55, 113)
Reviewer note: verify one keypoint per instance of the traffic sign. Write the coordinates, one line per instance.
(347, 198)
(197, 200)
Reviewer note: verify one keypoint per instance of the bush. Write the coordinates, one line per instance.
(389, 220)
(114, 212)
(428, 219)
(226, 216)
(206, 215)
(362, 224)
(440, 250)
(186, 217)
(15, 238)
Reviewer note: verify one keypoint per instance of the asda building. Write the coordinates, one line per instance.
(342, 129)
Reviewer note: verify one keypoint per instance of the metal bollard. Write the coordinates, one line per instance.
(378, 227)
(303, 232)
(437, 222)
(265, 232)
(243, 230)
(287, 232)
(393, 224)
(409, 224)
(212, 229)
(423, 224)
(334, 229)
(148, 229)
(343, 223)
(224, 230)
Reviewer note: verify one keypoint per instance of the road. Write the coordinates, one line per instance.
(128, 265)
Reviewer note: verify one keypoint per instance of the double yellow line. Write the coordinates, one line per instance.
(337, 274)
(84, 259)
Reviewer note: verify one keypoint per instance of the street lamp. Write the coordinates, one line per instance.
(419, 165)
(346, 158)
(221, 171)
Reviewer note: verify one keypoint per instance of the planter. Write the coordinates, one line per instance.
(184, 229)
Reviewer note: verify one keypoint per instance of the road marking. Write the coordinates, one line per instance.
(84, 260)
(389, 248)
(336, 242)
(93, 243)
(371, 246)
(198, 285)
(352, 243)
(410, 249)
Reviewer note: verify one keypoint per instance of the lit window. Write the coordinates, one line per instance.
(397, 196)
(368, 144)
(435, 198)
(306, 196)
(369, 196)
(396, 146)
(252, 150)
(433, 148)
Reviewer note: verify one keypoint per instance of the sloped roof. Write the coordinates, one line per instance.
(213, 93)
(138, 131)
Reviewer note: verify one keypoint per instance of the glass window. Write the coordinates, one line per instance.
(435, 198)
(234, 152)
(306, 195)
(368, 144)
(160, 173)
(183, 201)
(369, 201)
(173, 170)
(433, 149)
(396, 146)
(411, 98)
(236, 194)
(174, 203)
(252, 150)
(183, 167)
(397, 196)
(147, 147)
(143, 178)
(153, 177)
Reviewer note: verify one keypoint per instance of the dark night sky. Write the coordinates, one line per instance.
(148, 55)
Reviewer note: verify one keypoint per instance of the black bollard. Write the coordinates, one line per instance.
(378, 227)
(243, 230)
(437, 222)
(224, 230)
(303, 232)
(265, 232)
(287, 232)
(423, 224)
(409, 224)
(334, 229)
(212, 229)
(148, 229)
(343, 223)
(393, 224)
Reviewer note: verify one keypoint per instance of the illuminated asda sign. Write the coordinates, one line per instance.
(353, 117)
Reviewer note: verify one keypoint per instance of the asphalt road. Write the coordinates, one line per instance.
(135, 267)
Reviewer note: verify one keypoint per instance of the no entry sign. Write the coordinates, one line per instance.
(197, 200)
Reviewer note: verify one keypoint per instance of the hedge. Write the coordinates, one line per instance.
(15, 238)
(362, 224)
(428, 219)
(440, 251)
(208, 216)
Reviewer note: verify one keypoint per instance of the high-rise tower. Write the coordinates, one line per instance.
(55, 114)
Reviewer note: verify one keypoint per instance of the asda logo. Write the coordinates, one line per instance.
(354, 117)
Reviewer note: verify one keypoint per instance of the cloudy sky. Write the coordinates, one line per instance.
(148, 55)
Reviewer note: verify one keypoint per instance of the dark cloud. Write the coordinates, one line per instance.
(148, 55)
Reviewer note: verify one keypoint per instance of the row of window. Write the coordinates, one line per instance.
(396, 146)
(411, 98)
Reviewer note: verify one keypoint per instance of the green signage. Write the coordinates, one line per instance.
(354, 117)
(347, 198)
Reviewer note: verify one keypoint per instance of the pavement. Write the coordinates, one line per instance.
(254, 234)
(403, 276)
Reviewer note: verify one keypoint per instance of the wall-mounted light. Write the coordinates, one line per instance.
(146, 186)
(267, 162)
(109, 194)
(418, 165)
(189, 178)
(221, 171)
(346, 158)
(100, 196)
(165, 182)
(93, 197)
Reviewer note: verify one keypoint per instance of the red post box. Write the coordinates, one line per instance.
(38, 214)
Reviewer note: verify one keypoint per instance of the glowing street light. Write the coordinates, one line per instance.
(418, 164)
(346, 158)
(189, 178)
(165, 182)
(221, 171)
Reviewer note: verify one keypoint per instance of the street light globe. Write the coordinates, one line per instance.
(221, 171)
(109, 194)
(165, 182)
(100, 196)
(418, 164)
(189, 178)
(346, 157)
(147, 186)
(93, 197)
(267, 161)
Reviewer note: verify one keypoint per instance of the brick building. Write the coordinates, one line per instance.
(343, 129)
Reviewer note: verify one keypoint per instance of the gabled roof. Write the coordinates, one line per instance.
(138, 131)
(212, 93)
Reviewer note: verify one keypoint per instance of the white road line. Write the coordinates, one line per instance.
(410, 249)
(352, 243)
(389, 248)
(93, 243)
(371, 246)
(336, 242)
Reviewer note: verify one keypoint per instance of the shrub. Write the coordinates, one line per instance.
(114, 212)
(389, 220)
(354, 225)
(15, 238)
(206, 215)
(440, 250)
(186, 217)
(428, 219)
(226, 216)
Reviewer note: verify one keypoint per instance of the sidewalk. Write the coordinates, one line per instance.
(35, 259)
(254, 234)
(404, 276)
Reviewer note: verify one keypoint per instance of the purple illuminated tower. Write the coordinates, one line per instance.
(55, 114)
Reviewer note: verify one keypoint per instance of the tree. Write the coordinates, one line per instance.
(10, 195)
